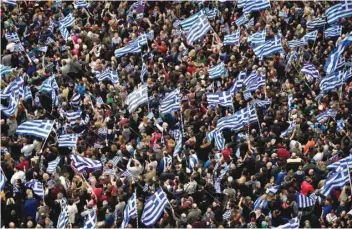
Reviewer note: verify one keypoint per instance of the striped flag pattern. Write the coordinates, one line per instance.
(238, 120)
(5, 70)
(68, 140)
(222, 98)
(310, 71)
(232, 39)
(250, 23)
(334, 56)
(336, 180)
(67, 21)
(53, 164)
(63, 218)
(130, 211)
(75, 100)
(292, 224)
(171, 102)
(137, 98)
(133, 47)
(12, 37)
(289, 130)
(36, 186)
(198, 30)
(79, 4)
(241, 20)
(10, 110)
(90, 219)
(326, 114)
(332, 81)
(217, 70)
(72, 116)
(297, 43)
(334, 31)
(154, 207)
(262, 103)
(256, 5)
(37, 128)
(304, 201)
(311, 36)
(257, 38)
(269, 48)
(3, 180)
(83, 163)
(316, 23)
(108, 74)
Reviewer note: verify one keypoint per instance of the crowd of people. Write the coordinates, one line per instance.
(262, 171)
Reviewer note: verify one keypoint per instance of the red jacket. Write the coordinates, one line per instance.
(306, 188)
(226, 154)
(283, 153)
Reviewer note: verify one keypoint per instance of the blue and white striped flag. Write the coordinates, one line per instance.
(238, 120)
(192, 20)
(333, 13)
(48, 85)
(83, 163)
(311, 36)
(64, 32)
(36, 186)
(67, 21)
(269, 48)
(238, 81)
(12, 37)
(346, 9)
(310, 71)
(211, 13)
(217, 71)
(154, 207)
(133, 47)
(9, 2)
(241, 20)
(332, 81)
(198, 30)
(176, 23)
(347, 75)
(289, 102)
(90, 219)
(19, 47)
(108, 74)
(254, 84)
(63, 219)
(137, 98)
(16, 86)
(171, 102)
(334, 31)
(5, 70)
(144, 72)
(292, 224)
(297, 43)
(49, 41)
(273, 189)
(219, 140)
(178, 139)
(68, 140)
(257, 38)
(72, 116)
(250, 23)
(336, 180)
(316, 23)
(345, 162)
(27, 93)
(130, 210)
(241, 3)
(53, 164)
(75, 100)
(326, 114)
(256, 5)
(262, 103)
(341, 63)
(304, 201)
(232, 39)
(3, 180)
(260, 203)
(222, 98)
(317, 199)
(227, 214)
(289, 130)
(10, 109)
(79, 4)
(334, 56)
(37, 128)
(115, 160)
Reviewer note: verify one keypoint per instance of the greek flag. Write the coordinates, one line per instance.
(36, 186)
(63, 218)
(257, 38)
(346, 6)
(222, 98)
(332, 81)
(268, 48)
(51, 28)
(216, 71)
(219, 139)
(37, 128)
(49, 41)
(316, 23)
(144, 72)
(64, 32)
(193, 161)
(211, 14)
(260, 203)
(178, 139)
(273, 189)
(176, 23)
(133, 47)
(256, 5)
(12, 37)
(16, 87)
(83, 163)
(297, 43)
(68, 140)
(5, 70)
(53, 164)
(317, 199)
(254, 84)
(326, 114)
(331, 63)
(108, 75)
(262, 103)
(345, 162)
(304, 201)
(334, 31)
(289, 102)
(67, 21)
(10, 109)
(241, 20)
(192, 20)
(137, 98)
(241, 3)
(19, 47)
(48, 85)
(90, 219)
(336, 180)
(292, 224)
(232, 39)
(130, 211)
(171, 102)
(238, 120)
(75, 100)
(115, 160)
(79, 4)
(250, 23)
(198, 30)
(3, 180)
(347, 75)
(341, 63)
(72, 116)
(27, 93)
(154, 207)
(289, 130)
(9, 2)
(333, 13)
(227, 214)
(310, 71)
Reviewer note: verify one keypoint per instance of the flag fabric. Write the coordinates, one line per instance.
(297, 43)
(341, 63)
(260, 203)
(273, 189)
(53, 164)
(132, 47)
(241, 3)
(222, 98)
(227, 214)
(211, 13)
(332, 81)
(232, 39)
(49, 84)
(316, 23)
(36, 186)
(253, 84)
(90, 219)
(83, 163)
(115, 160)
(178, 139)
(171, 102)
(9, 2)
(269, 48)
(238, 120)
(304, 201)
(176, 24)
(64, 32)
(63, 219)
(217, 71)
(192, 20)
(336, 180)
(79, 4)
(256, 5)
(292, 224)
(198, 30)
(10, 109)
(19, 47)
(37, 128)
(219, 140)
(16, 86)
(144, 72)
(250, 23)
(311, 36)
(262, 103)
(68, 140)
(289, 130)
(310, 71)
(334, 31)
(347, 75)
(108, 74)
(346, 9)
(154, 207)
(12, 37)
(99, 100)
(326, 114)
(49, 41)
(241, 20)
(5, 70)
(341, 163)
(137, 98)
(289, 102)
(27, 93)
(3, 180)
(67, 21)
(334, 56)
(130, 211)
(340, 124)
(75, 100)
(238, 81)
(333, 13)
(257, 38)
(72, 116)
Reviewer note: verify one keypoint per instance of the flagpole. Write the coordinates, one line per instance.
(135, 192)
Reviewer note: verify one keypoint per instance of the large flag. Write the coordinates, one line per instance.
(198, 30)
(137, 98)
(304, 201)
(36, 186)
(3, 180)
(326, 114)
(347, 161)
(253, 84)
(241, 20)
(311, 36)
(222, 98)
(238, 81)
(269, 48)
(68, 140)
(63, 218)
(297, 43)
(310, 71)
(132, 47)
(336, 180)
(67, 21)
(219, 139)
(334, 31)
(289, 130)
(232, 39)
(90, 219)
(332, 81)
(316, 23)
(108, 74)
(154, 207)
(238, 120)
(211, 13)
(37, 128)
(217, 71)
(83, 163)
(79, 4)
(130, 210)
(292, 224)
(171, 102)
(192, 20)
(49, 84)
(53, 164)
(342, 9)
(256, 5)
(10, 109)
(257, 38)
(16, 87)
(331, 63)
(5, 70)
